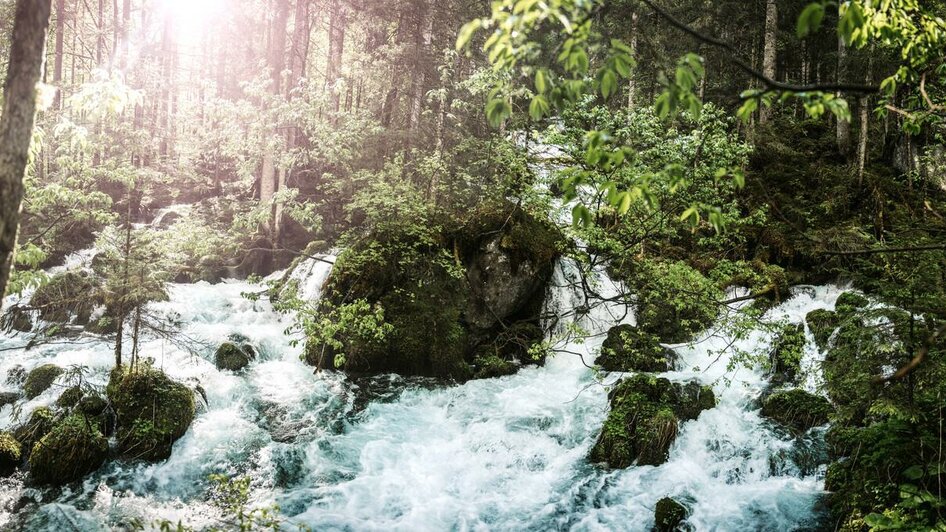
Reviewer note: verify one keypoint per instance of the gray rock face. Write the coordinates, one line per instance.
(501, 285)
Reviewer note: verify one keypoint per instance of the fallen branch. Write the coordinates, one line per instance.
(912, 365)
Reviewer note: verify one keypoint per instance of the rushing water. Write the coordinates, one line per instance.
(390, 453)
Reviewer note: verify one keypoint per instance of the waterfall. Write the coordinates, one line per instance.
(395, 453)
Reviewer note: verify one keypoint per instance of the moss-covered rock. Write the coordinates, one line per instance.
(642, 424)
(234, 355)
(797, 409)
(152, 412)
(627, 348)
(787, 351)
(72, 449)
(70, 397)
(419, 295)
(16, 319)
(674, 300)
(39, 424)
(8, 398)
(668, 515)
(822, 324)
(849, 302)
(493, 366)
(10, 454)
(68, 297)
(40, 378)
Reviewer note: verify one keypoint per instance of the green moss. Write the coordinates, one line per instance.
(674, 301)
(233, 356)
(797, 409)
(152, 412)
(70, 397)
(493, 366)
(822, 324)
(9, 454)
(642, 423)
(39, 424)
(849, 302)
(40, 379)
(668, 515)
(72, 449)
(627, 348)
(787, 352)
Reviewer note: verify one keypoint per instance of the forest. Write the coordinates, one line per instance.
(670, 265)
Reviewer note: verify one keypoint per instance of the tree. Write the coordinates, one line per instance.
(16, 124)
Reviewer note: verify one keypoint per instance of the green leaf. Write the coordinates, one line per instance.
(810, 19)
(748, 107)
(497, 110)
(581, 216)
(541, 81)
(609, 83)
(539, 107)
(466, 33)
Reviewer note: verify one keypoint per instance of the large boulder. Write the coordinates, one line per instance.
(72, 449)
(627, 348)
(234, 354)
(8, 398)
(10, 454)
(642, 424)
(797, 409)
(668, 515)
(40, 378)
(152, 412)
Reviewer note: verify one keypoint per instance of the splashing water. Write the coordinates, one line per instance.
(393, 453)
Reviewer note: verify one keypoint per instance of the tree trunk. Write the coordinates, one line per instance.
(25, 67)
(336, 47)
(632, 79)
(60, 35)
(844, 126)
(864, 105)
(769, 50)
(423, 39)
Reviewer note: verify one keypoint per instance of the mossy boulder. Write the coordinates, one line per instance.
(39, 424)
(822, 324)
(797, 409)
(70, 397)
(72, 449)
(493, 366)
(423, 295)
(8, 398)
(68, 297)
(16, 319)
(787, 352)
(849, 302)
(642, 424)
(10, 454)
(40, 378)
(234, 355)
(627, 348)
(674, 300)
(668, 515)
(152, 412)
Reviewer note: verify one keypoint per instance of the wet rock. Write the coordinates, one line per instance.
(72, 449)
(668, 515)
(627, 348)
(500, 284)
(822, 324)
(234, 355)
(39, 379)
(493, 366)
(152, 412)
(41, 421)
(9, 454)
(642, 423)
(797, 409)
(8, 398)
(16, 319)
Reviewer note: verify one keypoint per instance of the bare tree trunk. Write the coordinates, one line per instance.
(423, 40)
(769, 50)
(632, 79)
(864, 105)
(60, 35)
(25, 67)
(336, 47)
(844, 126)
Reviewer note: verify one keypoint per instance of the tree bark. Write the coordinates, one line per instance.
(423, 39)
(632, 79)
(769, 50)
(844, 126)
(27, 50)
(336, 47)
(60, 35)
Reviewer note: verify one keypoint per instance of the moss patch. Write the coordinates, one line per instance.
(787, 352)
(822, 324)
(627, 348)
(642, 424)
(9, 454)
(72, 449)
(234, 356)
(152, 412)
(40, 379)
(668, 515)
(797, 409)
(41, 421)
